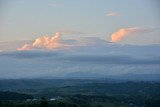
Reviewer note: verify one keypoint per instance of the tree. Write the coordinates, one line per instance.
(43, 102)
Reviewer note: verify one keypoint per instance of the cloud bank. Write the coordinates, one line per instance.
(44, 42)
(54, 57)
(116, 60)
(124, 32)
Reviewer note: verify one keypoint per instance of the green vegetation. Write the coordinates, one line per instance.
(80, 93)
(14, 96)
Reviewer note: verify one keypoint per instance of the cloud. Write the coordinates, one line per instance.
(55, 42)
(123, 32)
(83, 58)
(78, 33)
(30, 54)
(44, 42)
(12, 45)
(112, 14)
(112, 59)
(48, 42)
(105, 60)
(25, 47)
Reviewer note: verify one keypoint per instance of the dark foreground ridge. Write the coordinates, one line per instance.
(78, 93)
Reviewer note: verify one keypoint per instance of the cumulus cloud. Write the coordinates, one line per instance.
(48, 42)
(123, 32)
(55, 42)
(44, 42)
(12, 45)
(112, 14)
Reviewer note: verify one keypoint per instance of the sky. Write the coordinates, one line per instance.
(26, 19)
(59, 38)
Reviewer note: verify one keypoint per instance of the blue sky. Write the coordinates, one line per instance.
(103, 37)
(26, 19)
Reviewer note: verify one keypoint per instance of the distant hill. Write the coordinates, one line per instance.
(139, 77)
(84, 75)
(73, 79)
(127, 77)
(7, 95)
(15, 84)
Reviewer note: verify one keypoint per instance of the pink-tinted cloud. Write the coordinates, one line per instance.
(44, 42)
(25, 47)
(123, 32)
(48, 42)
